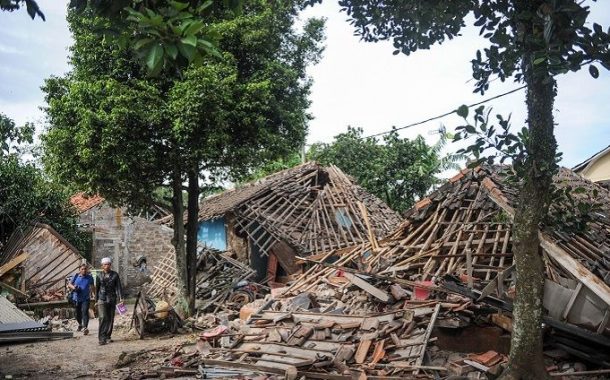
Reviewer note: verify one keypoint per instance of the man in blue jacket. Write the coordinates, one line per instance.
(109, 291)
(82, 288)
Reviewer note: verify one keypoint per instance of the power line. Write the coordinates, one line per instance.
(446, 113)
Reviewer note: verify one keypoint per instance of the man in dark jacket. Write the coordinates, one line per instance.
(109, 291)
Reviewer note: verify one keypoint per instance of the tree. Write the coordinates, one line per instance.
(26, 197)
(399, 171)
(194, 122)
(530, 41)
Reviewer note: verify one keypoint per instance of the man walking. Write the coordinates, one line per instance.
(108, 292)
(82, 287)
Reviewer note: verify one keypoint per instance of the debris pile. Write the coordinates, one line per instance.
(16, 326)
(222, 282)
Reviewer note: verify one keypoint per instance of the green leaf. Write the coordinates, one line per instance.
(178, 5)
(204, 6)
(187, 51)
(194, 28)
(462, 111)
(154, 58)
(538, 61)
(141, 43)
(190, 40)
(171, 50)
(593, 71)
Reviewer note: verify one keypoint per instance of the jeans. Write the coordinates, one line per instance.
(106, 315)
(82, 313)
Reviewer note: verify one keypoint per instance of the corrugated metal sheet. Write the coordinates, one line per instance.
(9, 313)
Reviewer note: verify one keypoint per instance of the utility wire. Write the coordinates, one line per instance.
(446, 113)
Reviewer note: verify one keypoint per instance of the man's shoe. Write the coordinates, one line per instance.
(110, 341)
(102, 342)
(79, 328)
(86, 331)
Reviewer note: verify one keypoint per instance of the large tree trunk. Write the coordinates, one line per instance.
(178, 242)
(191, 233)
(526, 359)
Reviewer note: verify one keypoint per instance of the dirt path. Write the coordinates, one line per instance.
(80, 357)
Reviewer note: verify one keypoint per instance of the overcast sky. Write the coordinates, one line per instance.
(356, 83)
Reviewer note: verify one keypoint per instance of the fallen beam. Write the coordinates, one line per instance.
(362, 284)
(575, 268)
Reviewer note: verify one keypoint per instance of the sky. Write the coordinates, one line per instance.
(355, 84)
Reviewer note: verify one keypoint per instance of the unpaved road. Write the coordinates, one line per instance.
(79, 357)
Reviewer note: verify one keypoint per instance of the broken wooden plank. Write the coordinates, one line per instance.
(13, 263)
(363, 350)
(233, 364)
(420, 359)
(579, 271)
(338, 318)
(13, 290)
(362, 284)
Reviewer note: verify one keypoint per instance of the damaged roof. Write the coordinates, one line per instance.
(51, 258)
(83, 202)
(465, 228)
(311, 207)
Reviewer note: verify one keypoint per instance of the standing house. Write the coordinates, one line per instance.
(308, 210)
(465, 229)
(134, 244)
(596, 168)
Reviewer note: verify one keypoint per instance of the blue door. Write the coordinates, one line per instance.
(213, 234)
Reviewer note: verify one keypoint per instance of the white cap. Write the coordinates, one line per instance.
(106, 260)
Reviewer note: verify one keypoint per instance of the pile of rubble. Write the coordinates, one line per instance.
(319, 335)
(434, 298)
(222, 282)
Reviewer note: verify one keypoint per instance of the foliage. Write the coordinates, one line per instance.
(12, 137)
(30, 5)
(571, 209)
(562, 41)
(124, 125)
(398, 170)
(164, 34)
(120, 132)
(26, 196)
(172, 36)
(268, 168)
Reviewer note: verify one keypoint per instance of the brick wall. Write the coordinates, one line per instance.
(125, 239)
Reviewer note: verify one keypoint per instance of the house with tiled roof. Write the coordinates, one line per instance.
(302, 211)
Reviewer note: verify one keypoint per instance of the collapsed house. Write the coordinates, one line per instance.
(303, 211)
(465, 229)
(134, 243)
(35, 263)
(378, 309)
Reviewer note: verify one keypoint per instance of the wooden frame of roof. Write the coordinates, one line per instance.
(312, 208)
(51, 257)
(465, 228)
